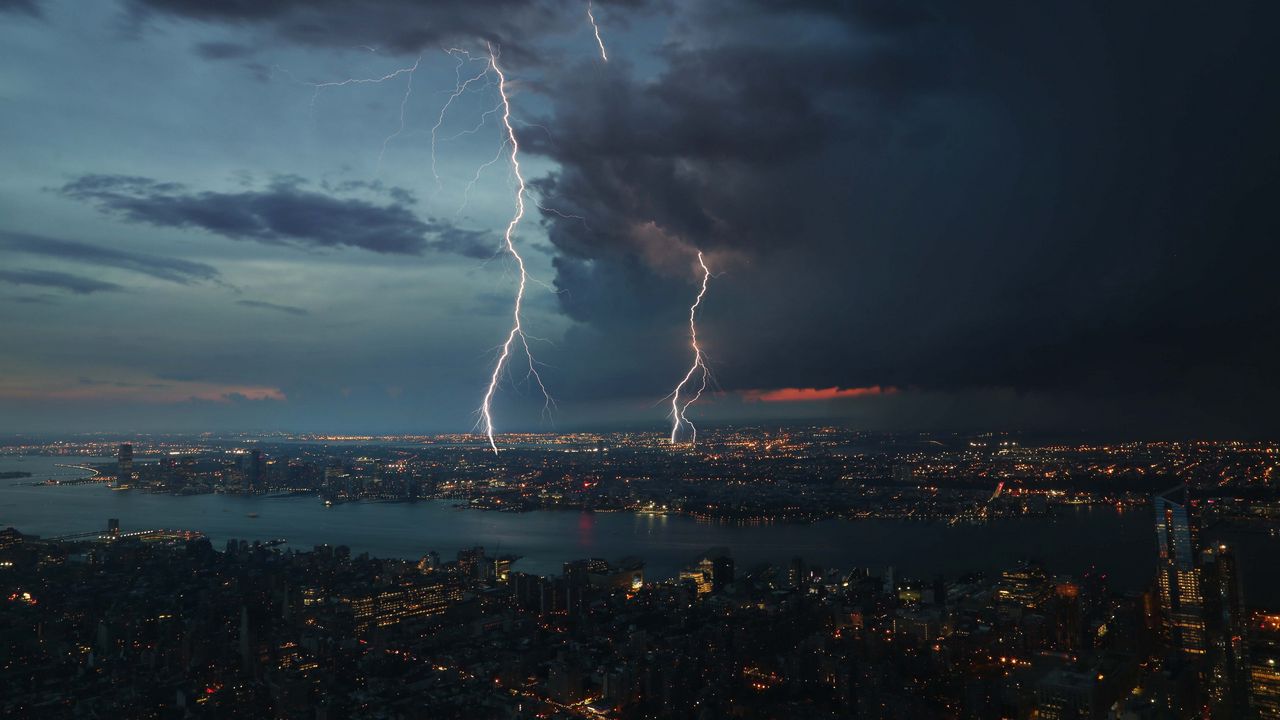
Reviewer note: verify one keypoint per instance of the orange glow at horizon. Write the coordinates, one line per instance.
(812, 394)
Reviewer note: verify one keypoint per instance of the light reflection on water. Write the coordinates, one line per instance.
(1119, 543)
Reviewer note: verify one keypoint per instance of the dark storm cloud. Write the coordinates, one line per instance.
(283, 213)
(394, 26)
(399, 194)
(171, 269)
(223, 50)
(476, 244)
(61, 281)
(263, 305)
(1071, 198)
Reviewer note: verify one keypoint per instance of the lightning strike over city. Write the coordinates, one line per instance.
(274, 274)
(508, 145)
(517, 329)
(679, 417)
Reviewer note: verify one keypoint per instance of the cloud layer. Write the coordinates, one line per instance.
(1055, 214)
(283, 213)
(58, 281)
(970, 197)
(171, 269)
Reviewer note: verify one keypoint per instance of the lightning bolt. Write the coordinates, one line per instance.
(317, 87)
(408, 90)
(511, 147)
(699, 366)
(460, 86)
(517, 330)
(404, 101)
(592, 18)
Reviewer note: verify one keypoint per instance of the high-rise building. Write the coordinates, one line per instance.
(471, 561)
(796, 573)
(577, 573)
(10, 538)
(124, 465)
(335, 483)
(429, 562)
(1226, 629)
(1026, 585)
(502, 567)
(1264, 665)
(721, 571)
(699, 577)
(253, 472)
(1181, 600)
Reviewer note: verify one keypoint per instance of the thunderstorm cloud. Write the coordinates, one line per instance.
(1042, 215)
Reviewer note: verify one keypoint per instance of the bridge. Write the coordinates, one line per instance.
(160, 534)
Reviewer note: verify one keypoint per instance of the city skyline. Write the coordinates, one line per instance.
(957, 218)
(813, 572)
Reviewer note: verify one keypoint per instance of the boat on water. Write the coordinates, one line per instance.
(252, 515)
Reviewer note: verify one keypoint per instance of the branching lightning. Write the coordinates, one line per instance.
(516, 338)
(404, 101)
(679, 418)
(317, 87)
(517, 330)
(594, 26)
(460, 87)
(408, 90)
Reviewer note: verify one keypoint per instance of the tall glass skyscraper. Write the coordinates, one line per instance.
(124, 465)
(1181, 600)
(1225, 631)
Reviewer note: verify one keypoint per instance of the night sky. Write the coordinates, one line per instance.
(1052, 216)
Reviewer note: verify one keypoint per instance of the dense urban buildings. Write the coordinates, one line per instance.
(160, 623)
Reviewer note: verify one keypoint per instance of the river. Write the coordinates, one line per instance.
(1120, 543)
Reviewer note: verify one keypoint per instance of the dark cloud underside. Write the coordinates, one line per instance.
(57, 280)
(171, 269)
(263, 305)
(283, 213)
(1069, 197)
(395, 26)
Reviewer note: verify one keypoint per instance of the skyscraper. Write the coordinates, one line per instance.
(1264, 665)
(253, 471)
(1181, 600)
(1225, 631)
(124, 465)
(721, 571)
